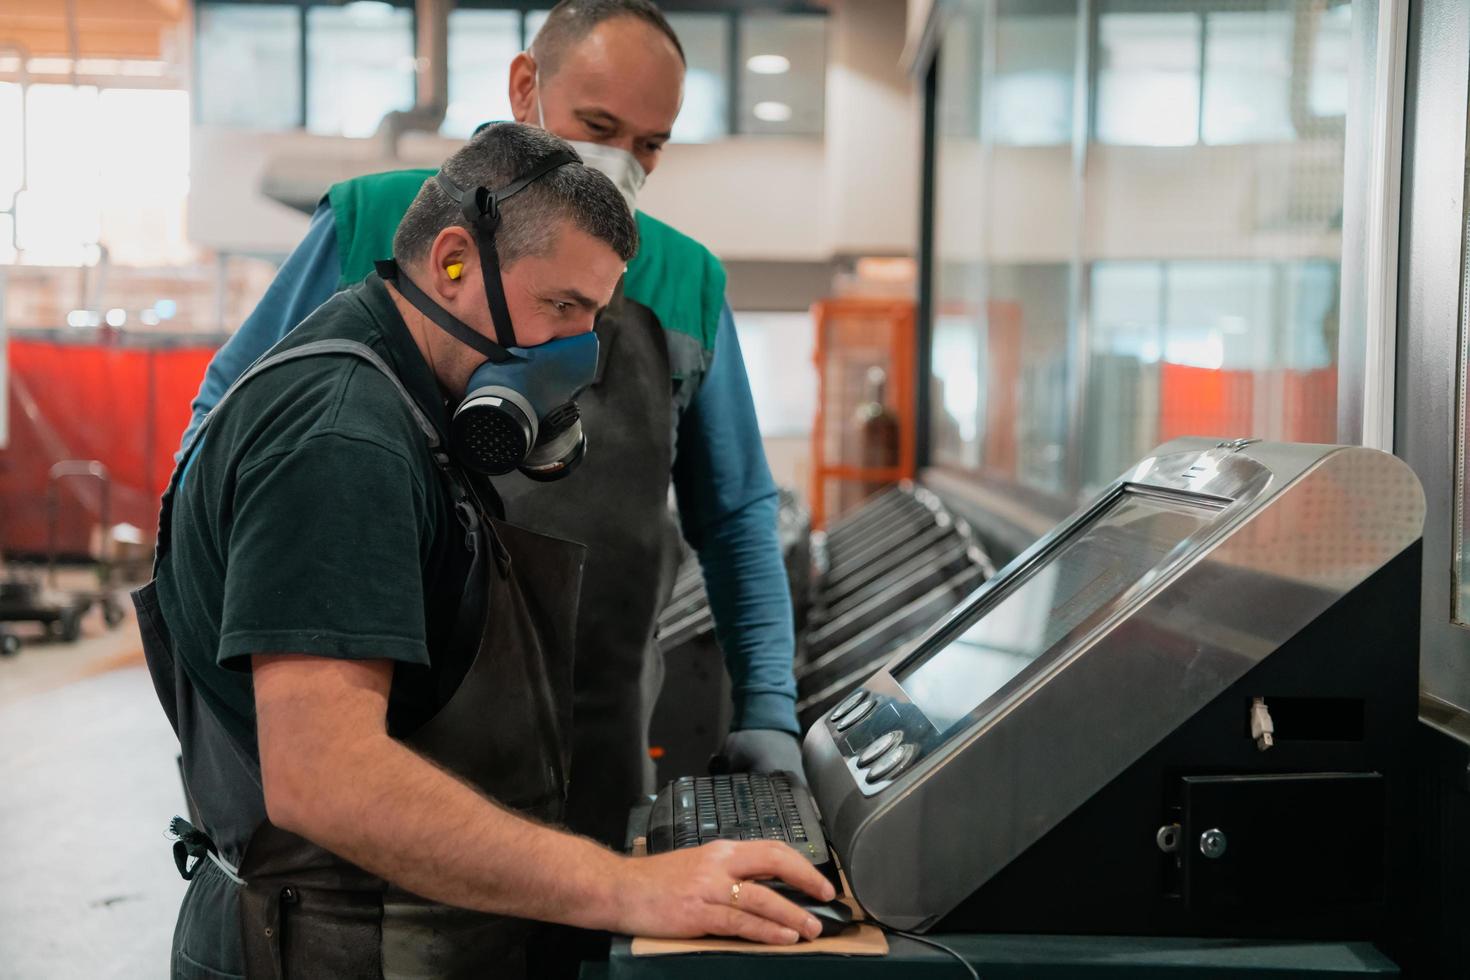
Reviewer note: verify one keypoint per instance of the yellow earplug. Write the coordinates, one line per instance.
(454, 269)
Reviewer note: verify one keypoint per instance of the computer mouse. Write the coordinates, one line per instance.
(835, 916)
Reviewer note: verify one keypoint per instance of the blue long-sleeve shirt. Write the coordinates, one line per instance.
(727, 499)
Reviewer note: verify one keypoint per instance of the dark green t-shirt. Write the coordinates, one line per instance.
(312, 519)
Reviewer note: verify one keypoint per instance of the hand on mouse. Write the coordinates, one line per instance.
(690, 893)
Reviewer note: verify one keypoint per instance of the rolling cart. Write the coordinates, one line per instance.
(28, 597)
(24, 598)
(104, 595)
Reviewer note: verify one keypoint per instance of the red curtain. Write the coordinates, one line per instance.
(1003, 387)
(1302, 405)
(1309, 401)
(1197, 401)
(122, 406)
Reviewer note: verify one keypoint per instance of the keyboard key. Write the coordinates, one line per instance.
(742, 806)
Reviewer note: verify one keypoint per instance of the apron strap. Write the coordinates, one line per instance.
(318, 347)
(269, 360)
(467, 504)
(192, 844)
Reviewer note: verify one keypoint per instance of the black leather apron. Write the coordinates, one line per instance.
(304, 912)
(617, 504)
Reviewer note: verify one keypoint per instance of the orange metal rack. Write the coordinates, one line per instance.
(854, 336)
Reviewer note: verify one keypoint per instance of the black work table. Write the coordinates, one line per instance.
(1001, 957)
(1023, 958)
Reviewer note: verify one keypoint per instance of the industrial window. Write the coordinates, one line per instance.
(482, 44)
(1247, 77)
(1176, 272)
(1175, 74)
(248, 66)
(783, 75)
(1148, 79)
(705, 115)
(336, 69)
(534, 21)
(359, 67)
(1331, 58)
(1030, 99)
(76, 195)
(12, 166)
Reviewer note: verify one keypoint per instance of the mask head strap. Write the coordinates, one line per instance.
(481, 210)
(389, 271)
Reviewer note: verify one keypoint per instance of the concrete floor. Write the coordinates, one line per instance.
(88, 783)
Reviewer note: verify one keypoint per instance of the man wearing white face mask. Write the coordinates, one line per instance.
(672, 404)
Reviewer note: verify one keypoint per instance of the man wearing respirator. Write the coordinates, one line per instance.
(368, 667)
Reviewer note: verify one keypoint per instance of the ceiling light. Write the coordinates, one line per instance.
(768, 64)
(116, 317)
(369, 11)
(772, 112)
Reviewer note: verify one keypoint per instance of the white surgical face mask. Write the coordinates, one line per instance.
(617, 165)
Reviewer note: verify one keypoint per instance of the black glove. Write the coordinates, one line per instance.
(760, 750)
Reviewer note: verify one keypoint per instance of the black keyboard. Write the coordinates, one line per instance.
(695, 810)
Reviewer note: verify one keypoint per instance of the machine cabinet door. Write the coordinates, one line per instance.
(1251, 844)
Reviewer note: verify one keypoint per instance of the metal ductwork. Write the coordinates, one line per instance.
(299, 181)
(431, 69)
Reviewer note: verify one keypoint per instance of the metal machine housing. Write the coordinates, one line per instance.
(1296, 531)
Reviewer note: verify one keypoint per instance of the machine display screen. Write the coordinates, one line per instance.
(1098, 563)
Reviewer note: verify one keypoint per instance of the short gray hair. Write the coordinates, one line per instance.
(497, 155)
(572, 20)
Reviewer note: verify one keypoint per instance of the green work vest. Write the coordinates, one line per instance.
(676, 278)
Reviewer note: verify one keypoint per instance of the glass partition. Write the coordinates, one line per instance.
(1460, 605)
(1137, 231)
(1003, 215)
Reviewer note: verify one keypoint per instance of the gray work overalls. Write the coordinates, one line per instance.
(301, 910)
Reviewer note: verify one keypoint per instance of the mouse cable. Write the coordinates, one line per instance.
(937, 945)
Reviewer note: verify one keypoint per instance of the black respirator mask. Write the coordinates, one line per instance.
(519, 409)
